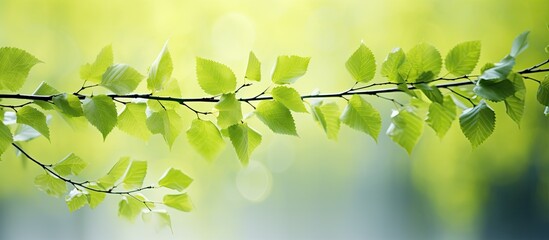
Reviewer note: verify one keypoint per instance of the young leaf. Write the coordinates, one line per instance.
(175, 179)
(44, 89)
(519, 44)
(362, 116)
(405, 129)
(289, 97)
(499, 71)
(205, 138)
(71, 164)
(441, 116)
(15, 65)
(25, 133)
(276, 116)
(423, 63)
(230, 111)
(5, 137)
(362, 64)
(391, 64)
(463, 58)
(95, 198)
(244, 140)
(514, 105)
(50, 185)
(543, 91)
(289, 68)
(133, 120)
(101, 113)
(432, 92)
(34, 118)
(93, 72)
(327, 115)
(130, 207)
(478, 123)
(180, 202)
(494, 91)
(253, 71)
(159, 217)
(116, 172)
(214, 78)
(161, 70)
(121, 78)
(168, 123)
(135, 175)
(76, 200)
(68, 104)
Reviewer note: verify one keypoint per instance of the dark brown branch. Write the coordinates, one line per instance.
(261, 96)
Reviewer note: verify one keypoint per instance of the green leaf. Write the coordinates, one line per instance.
(405, 129)
(213, 77)
(244, 140)
(543, 91)
(135, 175)
(133, 120)
(130, 207)
(159, 217)
(230, 111)
(494, 91)
(432, 92)
(519, 44)
(499, 71)
(289, 97)
(50, 185)
(5, 137)
(175, 179)
(101, 113)
(71, 164)
(44, 89)
(391, 64)
(76, 200)
(423, 63)
(116, 172)
(161, 70)
(34, 118)
(514, 105)
(205, 138)
(180, 202)
(253, 71)
(478, 123)
(68, 104)
(362, 116)
(121, 78)
(15, 65)
(327, 115)
(289, 68)
(25, 133)
(93, 72)
(168, 123)
(463, 58)
(95, 198)
(441, 116)
(276, 116)
(362, 64)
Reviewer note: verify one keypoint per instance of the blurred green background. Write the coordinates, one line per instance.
(295, 188)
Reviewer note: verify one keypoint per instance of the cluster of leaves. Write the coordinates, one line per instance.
(415, 73)
(126, 173)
